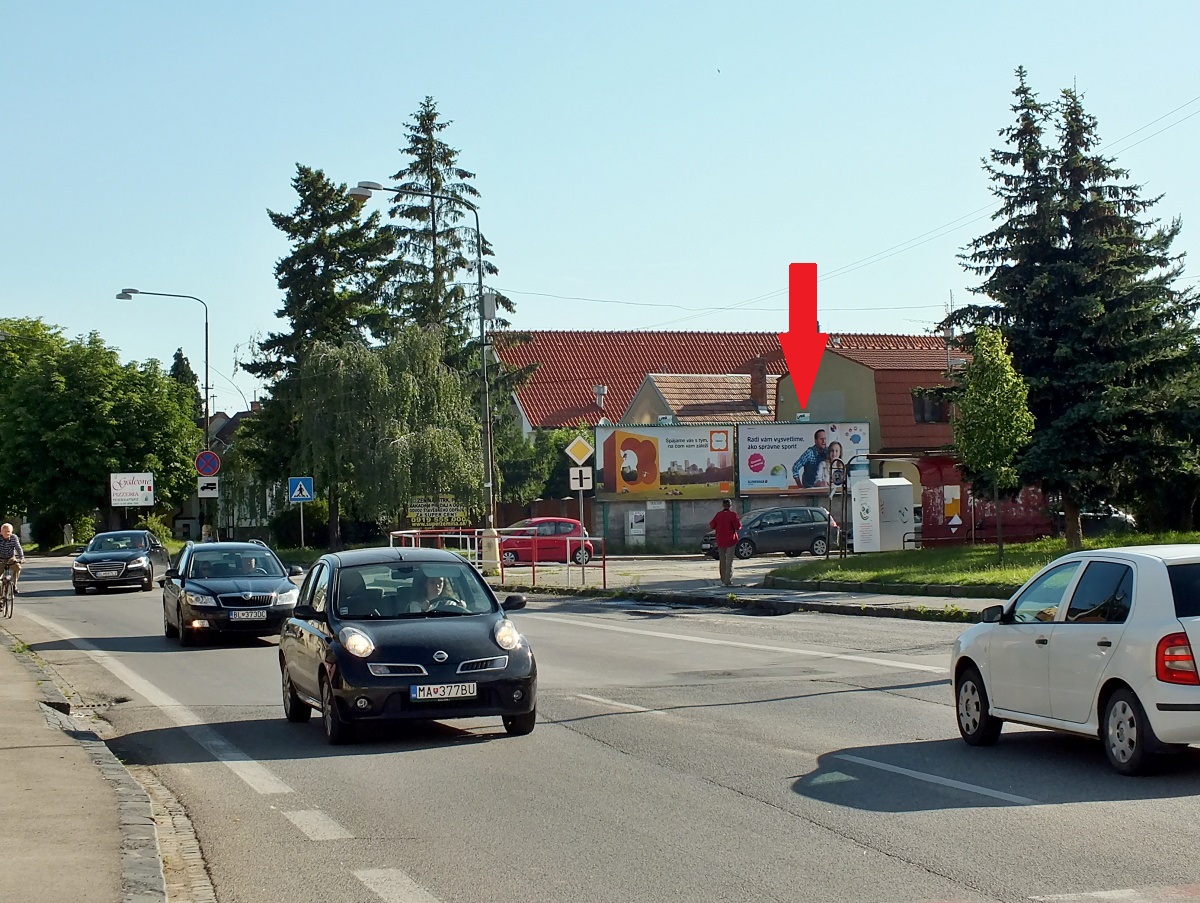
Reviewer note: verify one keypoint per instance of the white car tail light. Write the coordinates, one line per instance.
(1174, 662)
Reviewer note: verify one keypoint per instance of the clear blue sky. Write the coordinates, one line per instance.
(666, 159)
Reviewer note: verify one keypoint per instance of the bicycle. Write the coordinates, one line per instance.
(6, 594)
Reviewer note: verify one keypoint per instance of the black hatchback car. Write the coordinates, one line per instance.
(403, 634)
(230, 587)
(119, 558)
(788, 530)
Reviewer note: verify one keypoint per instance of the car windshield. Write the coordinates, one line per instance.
(396, 591)
(117, 542)
(218, 563)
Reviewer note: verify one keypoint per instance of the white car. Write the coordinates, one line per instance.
(1097, 643)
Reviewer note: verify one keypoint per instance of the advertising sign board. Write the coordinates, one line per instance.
(436, 512)
(131, 490)
(636, 463)
(795, 458)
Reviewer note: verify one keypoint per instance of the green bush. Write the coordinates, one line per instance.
(83, 528)
(154, 524)
(285, 526)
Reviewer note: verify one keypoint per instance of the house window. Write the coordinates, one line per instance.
(928, 409)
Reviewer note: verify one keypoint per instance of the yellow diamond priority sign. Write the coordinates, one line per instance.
(579, 450)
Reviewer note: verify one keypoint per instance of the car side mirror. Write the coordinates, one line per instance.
(513, 602)
(171, 573)
(295, 571)
(992, 614)
(307, 613)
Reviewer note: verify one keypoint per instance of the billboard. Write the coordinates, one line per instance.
(664, 462)
(795, 458)
(130, 490)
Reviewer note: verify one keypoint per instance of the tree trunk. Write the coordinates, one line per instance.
(1073, 533)
(999, 524)
(335, 532)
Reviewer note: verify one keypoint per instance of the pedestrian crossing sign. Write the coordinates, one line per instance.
(300, 489)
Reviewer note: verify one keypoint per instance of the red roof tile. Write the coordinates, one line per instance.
(714, 398)
(560, 391)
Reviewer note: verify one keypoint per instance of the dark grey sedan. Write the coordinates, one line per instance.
(403, 634)
(806, 528)
(120, 558)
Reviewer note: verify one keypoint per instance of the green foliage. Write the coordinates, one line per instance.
(1082, 282)
(181, 371)
(155, 524)
(992, 422)
(83, 528)
(436, 265)
(285, 525)
(76, 414)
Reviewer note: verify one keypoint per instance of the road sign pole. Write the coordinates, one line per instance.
(302, 525)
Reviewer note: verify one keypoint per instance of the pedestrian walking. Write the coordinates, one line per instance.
(726, 523)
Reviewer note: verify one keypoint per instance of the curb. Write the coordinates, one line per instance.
(899, 589)
(770, 606)
(141, 868)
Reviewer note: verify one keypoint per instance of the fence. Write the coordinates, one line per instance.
(518, 545)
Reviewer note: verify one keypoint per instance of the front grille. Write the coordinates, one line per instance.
(384, 670)
(106, 570)
(245, 600)
(499, 663)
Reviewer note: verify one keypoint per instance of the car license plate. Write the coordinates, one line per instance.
(705, 546)
(253, 614)
(441, 691)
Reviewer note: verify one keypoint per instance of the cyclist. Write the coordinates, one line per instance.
(11, 554)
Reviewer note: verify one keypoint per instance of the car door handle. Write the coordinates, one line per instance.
(1103, 642)
(1042, 641)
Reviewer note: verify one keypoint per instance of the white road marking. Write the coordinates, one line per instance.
(937, 779)
(395, 886)
(260, 779)
(708, 641)
(619, 705)
(316, 825)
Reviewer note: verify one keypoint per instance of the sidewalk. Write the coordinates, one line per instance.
(65, 816)
(692, 580)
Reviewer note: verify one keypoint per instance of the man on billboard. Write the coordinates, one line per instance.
(805, 470)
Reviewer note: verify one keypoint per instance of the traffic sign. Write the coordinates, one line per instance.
(208, 463)
(206, 488)
(581, 478)
(579, 450)
(300, 489)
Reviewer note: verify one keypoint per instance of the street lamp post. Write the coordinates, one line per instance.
(126, 294)
(363, 191)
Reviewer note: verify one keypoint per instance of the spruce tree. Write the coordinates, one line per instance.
(1083, 288)
(182, 372)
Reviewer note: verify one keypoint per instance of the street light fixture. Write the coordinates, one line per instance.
(363, 191)
(126, 294)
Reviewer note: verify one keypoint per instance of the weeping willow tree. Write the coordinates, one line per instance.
(380, 426)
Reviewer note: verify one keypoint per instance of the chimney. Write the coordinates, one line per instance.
(255, 406)
(758, 383)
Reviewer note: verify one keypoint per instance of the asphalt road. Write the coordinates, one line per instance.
(681, 754)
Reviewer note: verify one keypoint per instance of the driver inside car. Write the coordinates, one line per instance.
(433, 593)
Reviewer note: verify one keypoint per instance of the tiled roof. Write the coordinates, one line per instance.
(893, 352)
(898, 429)
(709, 398)
(560, 391)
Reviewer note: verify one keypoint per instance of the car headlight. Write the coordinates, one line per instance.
(288, 597)
(139, 564)
(199, 600)
(506, 634)
(356, 642)
(79, 566)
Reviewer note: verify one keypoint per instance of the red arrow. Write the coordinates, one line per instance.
(802, 344)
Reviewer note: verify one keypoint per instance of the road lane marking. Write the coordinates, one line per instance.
(395, 886)
(937, 779)
(708, 641)
(260, 779)
(619, 705)
(316, 825)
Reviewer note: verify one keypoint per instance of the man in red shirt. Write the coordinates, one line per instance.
(726, 523)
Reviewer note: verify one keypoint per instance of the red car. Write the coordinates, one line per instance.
(545, 539)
